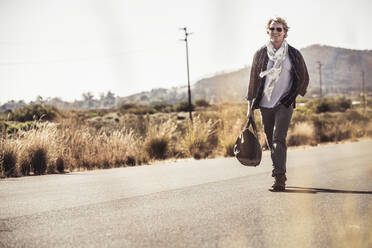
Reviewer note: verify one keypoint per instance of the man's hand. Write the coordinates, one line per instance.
(250, 112)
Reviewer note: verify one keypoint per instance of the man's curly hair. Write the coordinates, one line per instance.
(278, 20)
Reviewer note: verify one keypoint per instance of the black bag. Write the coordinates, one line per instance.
(247, 148)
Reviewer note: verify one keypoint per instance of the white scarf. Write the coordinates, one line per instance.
(273, 74)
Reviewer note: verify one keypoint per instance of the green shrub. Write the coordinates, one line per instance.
(15, 127)
(34, 112)
(183, 107)
(92, 114)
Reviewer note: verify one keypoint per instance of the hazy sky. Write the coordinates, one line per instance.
(62, 48)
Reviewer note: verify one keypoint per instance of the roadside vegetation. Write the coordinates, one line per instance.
(38, 139)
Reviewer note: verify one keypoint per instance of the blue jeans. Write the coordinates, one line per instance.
(276, 122)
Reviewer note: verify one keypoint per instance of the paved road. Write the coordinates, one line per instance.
(208, 203)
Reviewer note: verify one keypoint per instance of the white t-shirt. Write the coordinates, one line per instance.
(281, 88)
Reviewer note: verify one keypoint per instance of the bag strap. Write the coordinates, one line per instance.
(251, 122)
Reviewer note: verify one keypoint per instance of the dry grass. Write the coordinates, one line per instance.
(160, 137)
(303, 133)
(87, 149)
(35, 149)
(200, 138)
(8, 160)
(50, 148)
(78, 143)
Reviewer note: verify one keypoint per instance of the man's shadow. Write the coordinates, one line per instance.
(294, 189)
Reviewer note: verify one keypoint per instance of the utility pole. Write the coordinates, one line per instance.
(188, 70)
(363, 92)
(320, 77)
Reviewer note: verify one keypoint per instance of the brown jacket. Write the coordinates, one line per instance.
(300, 77)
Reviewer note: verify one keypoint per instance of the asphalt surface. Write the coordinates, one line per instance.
(206, 203)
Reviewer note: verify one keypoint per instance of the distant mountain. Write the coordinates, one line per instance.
(168, 96)
(341, 68)
(215, 89)
(225, 87)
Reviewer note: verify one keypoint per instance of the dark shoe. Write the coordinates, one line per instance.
(279, 184)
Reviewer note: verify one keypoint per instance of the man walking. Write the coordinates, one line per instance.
(278, 76)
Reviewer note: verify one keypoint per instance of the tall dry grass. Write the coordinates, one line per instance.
(47, 147)
(303, 133)
(35, 150)
(88, 148)
(200, 138)
(161, 139)
(8, 160)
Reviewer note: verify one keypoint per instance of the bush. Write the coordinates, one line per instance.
(131, 161)
(183, 107)
(160, 107)
(142, 110)
(127, 106)
(302, 134)
(60, 165)
(12, 128)
(300, 114)
(200, 138)
(38, 158)
(355, 116)
(329, 105)
(8, 161)
(202, 103)
(229, 149)
(136, 109)
(25, 167)
(332, 128)
(322, 106)
(51, 168)
(34, 112)
(157, 147)
(3, 126)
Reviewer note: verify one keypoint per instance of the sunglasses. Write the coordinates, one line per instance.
(277, 29)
